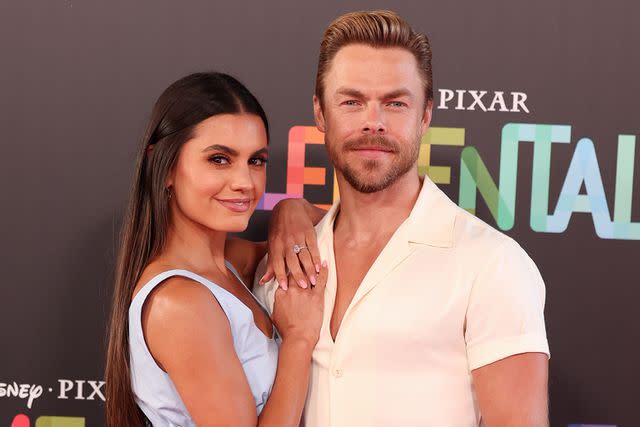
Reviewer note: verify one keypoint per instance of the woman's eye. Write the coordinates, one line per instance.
(219, 159)
(258, 161)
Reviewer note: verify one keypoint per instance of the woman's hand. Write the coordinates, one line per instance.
(297, 312)
(292, 222)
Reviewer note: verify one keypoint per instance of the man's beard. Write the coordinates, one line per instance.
(406, 159)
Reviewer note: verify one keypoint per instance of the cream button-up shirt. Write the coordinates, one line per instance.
(447, 294)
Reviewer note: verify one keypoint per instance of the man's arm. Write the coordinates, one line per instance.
(506, 340)
(513, 391)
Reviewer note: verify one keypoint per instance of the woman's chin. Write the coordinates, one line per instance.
(237, 226)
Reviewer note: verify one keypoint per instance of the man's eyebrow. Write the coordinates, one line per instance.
(350, 92)
(223, 148)
(398, 93)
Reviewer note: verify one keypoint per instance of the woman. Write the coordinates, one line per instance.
(189, 344)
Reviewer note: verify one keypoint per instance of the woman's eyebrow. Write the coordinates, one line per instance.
(230, 151)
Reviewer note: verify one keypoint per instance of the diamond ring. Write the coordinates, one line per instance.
(298, 248)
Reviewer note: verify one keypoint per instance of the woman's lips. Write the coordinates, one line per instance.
(236, 205)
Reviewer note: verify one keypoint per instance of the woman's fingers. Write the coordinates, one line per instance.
(307, 264)
(293, 264)
(314, 251)
(321, 283)
(268, 274)
(277, 262)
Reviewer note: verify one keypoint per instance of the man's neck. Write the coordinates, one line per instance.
(367, 215)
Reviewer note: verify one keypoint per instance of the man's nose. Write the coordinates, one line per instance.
(374, 121)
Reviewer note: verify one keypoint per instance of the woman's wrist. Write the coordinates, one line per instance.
(299, 344)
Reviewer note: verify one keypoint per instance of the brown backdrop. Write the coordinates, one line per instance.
(77, 83)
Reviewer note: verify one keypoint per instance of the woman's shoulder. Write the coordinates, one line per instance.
(179, 313)
(173, 296)
(172, 285)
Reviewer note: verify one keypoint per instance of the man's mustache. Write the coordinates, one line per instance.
(371, 141)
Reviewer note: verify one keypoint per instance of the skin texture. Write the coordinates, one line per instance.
(215, 186)
(374, 99)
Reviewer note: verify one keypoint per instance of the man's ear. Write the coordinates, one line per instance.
(318, 115)
(426, 117)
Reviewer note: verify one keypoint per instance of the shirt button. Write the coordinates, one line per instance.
(337, 373)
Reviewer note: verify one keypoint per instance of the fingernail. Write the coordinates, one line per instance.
(261, 281)
(303, 284)
(313, 280)
(283, 284)
(324, 263)
(317, 269)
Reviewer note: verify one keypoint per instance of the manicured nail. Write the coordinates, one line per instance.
(283, 284)
(302, 283)
(261, 281)
(317, 269)
(313, 280)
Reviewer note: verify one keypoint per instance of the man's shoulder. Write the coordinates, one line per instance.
(472, 234)
(484, 243)
(471, 230)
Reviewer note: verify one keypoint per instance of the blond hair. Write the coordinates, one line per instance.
(379, 29)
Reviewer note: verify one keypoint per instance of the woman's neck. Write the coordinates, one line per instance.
(194, 246)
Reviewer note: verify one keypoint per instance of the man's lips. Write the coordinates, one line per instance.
(236, 205)
(373, 152)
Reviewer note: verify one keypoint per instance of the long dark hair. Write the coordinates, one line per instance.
(181, 107)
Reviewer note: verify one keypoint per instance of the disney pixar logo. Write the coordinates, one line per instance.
(482, 100)
(64, 389)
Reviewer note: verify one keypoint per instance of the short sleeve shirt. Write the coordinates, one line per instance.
(448, 294)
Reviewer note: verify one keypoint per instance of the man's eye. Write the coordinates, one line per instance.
(258, 161)
(397, 104)
(219, 159)
(351, 102)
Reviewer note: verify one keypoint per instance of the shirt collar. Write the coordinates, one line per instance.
(431, 221)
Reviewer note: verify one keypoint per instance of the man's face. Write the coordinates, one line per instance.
(373, 115)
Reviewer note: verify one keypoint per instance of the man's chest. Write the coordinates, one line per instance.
(422, 299)
(351, 267)
(400, 342)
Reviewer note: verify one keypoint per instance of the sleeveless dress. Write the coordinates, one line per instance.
(154, 391)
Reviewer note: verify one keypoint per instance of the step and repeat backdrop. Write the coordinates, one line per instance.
(535, 130)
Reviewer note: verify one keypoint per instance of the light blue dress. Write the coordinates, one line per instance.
(154, 391)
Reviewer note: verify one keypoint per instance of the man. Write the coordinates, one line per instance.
(432, 318)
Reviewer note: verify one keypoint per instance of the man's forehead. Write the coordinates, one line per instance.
(362, 67)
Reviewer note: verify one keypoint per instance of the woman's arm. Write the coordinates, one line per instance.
(297, 313)
(189, 336)
(292, 222)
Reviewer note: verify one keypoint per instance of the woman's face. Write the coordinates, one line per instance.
(221, 172)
